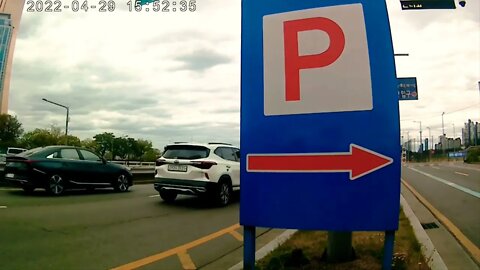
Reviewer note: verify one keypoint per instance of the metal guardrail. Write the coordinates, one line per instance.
(134, 164)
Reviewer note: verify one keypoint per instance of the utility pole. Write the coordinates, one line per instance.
(443, 134)
(408, 145)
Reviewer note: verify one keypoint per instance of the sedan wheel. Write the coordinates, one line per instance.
(122, 183)
(56, 185)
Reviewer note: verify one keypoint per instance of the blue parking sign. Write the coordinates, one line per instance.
(319, 116)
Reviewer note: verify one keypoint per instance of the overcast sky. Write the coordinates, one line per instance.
(176, 76)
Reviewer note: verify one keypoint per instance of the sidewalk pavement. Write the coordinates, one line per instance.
(453, 255)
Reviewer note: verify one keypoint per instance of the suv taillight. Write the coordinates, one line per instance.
(160, 162)
(203, 164)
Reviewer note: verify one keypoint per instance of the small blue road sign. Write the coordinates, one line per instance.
(427, 4)
(407, 88)
(319, 116)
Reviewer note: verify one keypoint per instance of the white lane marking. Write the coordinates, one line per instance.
(465, 167)
(153, 196)
(464, 174)
(446, 182)
(3, 207)
(436, 167)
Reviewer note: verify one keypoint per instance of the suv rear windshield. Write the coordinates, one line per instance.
(186, 152)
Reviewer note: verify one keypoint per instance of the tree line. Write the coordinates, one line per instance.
(105, 144)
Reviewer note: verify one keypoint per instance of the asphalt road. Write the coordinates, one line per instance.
(453, 189)
(105, 230)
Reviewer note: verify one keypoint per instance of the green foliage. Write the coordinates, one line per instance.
(39, 138)
(10, 130)
(473, 154)
(106, 144)
(44, 137)
(151, 155)
(89, 144)
(112, 147)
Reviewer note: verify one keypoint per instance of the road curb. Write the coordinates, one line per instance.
(434, 261)
(265, 250)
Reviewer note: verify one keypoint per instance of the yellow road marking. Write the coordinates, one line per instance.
(237, 235)
(464, 241)
(464, 174)
(183, 248)
(186, 261)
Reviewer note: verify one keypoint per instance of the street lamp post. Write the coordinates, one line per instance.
(453, 124)
(421, 142)
(431, 143)
(66, 121)
(443, 128)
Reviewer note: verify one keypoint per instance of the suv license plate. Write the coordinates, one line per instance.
(177, 168)
(9, 175)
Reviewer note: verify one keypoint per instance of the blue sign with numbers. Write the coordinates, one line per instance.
(319, 128)
(407, 88)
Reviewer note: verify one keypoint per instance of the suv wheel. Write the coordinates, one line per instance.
(168, 196)
(224, 193)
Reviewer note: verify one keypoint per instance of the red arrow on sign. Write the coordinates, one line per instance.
(359, 162)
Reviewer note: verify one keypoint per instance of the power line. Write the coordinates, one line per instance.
(436, 114)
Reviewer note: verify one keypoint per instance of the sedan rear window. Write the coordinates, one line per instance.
(186, 152)
(31, 152)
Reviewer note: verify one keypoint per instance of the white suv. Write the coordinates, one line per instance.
(211, 169)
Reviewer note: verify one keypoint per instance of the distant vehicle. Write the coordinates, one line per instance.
(11, 151)
(57, 168)
(15, 150)
(211, 170)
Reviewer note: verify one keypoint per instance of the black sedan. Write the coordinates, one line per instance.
(56, 168)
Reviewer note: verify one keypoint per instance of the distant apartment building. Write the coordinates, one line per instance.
(471, 133)
(10, 14)
(446, 143)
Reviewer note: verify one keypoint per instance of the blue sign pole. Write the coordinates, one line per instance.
(388, 250)
(249, 248)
